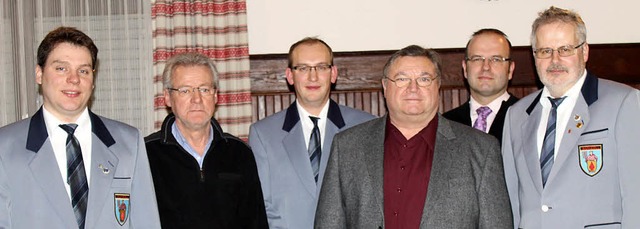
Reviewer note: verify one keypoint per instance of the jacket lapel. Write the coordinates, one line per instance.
(293, 143)
(335, 122)
(104, 163)
(375, 161)
(442, 160)
(568, 144)
(529, 130)
(46, 172)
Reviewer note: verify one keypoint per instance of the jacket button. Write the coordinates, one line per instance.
(545, 208)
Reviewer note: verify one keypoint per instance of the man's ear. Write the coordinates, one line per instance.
(167, 97)
(38, 74)
(289, 75)
(334, 74)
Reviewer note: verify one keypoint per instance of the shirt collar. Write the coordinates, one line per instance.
(52, 122)
(571, 95)
(494, 105)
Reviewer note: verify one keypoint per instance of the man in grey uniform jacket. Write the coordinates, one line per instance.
(93, 175)
(582, 171)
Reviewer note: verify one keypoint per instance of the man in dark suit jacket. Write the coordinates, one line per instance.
(488, 68)
(66, 167)
(413, 168)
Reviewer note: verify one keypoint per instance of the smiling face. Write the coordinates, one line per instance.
(559, 73)
(66, 80)
(313, 87)
(487, 80)
(193, 110)
(411, 103)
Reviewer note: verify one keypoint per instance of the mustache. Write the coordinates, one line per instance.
(557, 67)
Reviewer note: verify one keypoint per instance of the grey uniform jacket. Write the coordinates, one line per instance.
(466, 187)
(604, 122)
(288, 185)
(32, 193)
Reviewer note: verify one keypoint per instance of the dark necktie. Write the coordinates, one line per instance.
(549, 143)
(481, 122)
(315, 151)
(76, 176)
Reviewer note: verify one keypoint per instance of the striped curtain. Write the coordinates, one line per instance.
(217, 29)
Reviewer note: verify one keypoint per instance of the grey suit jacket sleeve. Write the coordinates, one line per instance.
(331, 212)
(628, 135)
(262, 163)
(144, 213)
(493, 198)
(510, 175)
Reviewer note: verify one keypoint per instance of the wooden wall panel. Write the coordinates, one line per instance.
(360, 74)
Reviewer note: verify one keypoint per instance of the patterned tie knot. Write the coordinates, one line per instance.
(484, 111)
(314, 120)
(555, 102)
(481, 121)
(69, 128)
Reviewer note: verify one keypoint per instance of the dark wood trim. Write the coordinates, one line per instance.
(360, 75)
(363, 70)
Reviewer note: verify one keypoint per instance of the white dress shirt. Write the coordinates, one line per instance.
(58, 139)
(564, 113)
(307, 124)
(493, 105)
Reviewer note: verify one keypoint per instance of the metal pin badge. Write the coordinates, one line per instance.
(576, 117)
(105, 170)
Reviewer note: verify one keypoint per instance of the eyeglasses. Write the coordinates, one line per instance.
(405, 81)
(494, 60)
(304, 69)
(189, 91)
(567, 50)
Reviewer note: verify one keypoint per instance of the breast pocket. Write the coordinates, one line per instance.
(121, 184)
(594, 134)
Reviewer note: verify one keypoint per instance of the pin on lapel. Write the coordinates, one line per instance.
(105, 170)
(579, 121)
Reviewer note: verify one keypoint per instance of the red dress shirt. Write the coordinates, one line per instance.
(407, 167)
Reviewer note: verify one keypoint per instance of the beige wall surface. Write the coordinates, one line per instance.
(362, 25)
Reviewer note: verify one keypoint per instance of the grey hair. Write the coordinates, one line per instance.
(415, 51)
(555, 14)
(188, 59)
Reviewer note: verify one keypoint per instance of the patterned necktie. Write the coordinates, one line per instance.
(481, 122)
(314, 148)
(76, 176)
(549, 143)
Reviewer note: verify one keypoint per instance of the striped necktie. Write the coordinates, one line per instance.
(549, 143)
(315, 151)
(76, 176)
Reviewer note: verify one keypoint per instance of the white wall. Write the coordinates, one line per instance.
(362, 25)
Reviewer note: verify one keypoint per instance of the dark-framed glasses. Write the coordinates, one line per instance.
(422, 81)
(564, 51)
(189, 91)
(494, 60)
(322, 68)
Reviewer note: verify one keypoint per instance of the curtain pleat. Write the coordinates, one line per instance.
(217, 29)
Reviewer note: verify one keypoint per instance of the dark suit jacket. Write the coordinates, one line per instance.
(462, 115)
(466, 187)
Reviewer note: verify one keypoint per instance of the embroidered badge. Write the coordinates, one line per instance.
(121, 207)
(590, 158)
